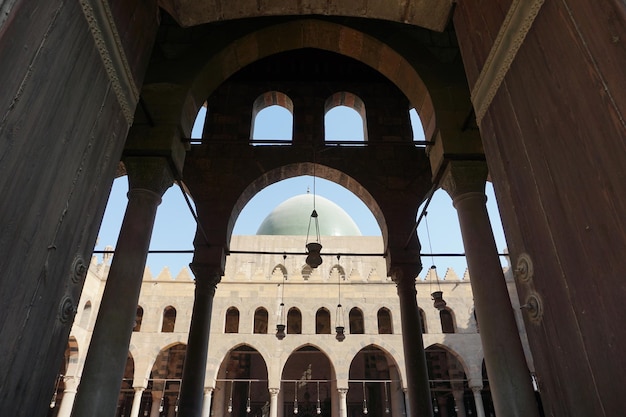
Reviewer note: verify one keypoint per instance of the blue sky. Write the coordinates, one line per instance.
(175, 227)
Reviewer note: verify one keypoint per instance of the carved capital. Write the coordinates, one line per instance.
(463, 177)
(274, 392)
(405, 273)
(149, 173)
(207, 275)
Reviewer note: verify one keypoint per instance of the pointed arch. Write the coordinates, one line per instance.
(355, 318)
(322, 321)
(294, 321)
(353, 107)
(169, 320)
(385, 323)
(265, 105)
(231, 322)
(138, 319)
(446, 318)
(260, 321)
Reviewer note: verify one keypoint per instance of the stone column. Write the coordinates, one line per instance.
(274, 402)
(343, 405)
(459, 403)
(412, 341)
(69, 394)
(134, 411)
(478, 401)
(509, 377)
(206, 403)
(407, 409)
(156, 403)
(194, 370)
(149, 178)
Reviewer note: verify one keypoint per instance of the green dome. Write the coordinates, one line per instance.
(292, 218)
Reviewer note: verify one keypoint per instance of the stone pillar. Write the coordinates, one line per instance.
(274, 402)
(478, 401)
(69, 394)
(149, 178)
(407, 409)
(156, 403)
(206, 403)
(509, 377)
(134, 411)
(194, 370)
(459, 403)
(343, 405)
(418, 403)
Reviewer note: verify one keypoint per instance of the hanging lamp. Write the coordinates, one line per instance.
(318, 408)
(248, 407)
(230, 399)
(364, 400)
(295, 398)
(339, 315)
(280, 326)
(437, 296)
(314, 258)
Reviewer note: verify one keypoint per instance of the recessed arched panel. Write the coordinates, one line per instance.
(260, 321)
(385, 323)
(138, 319)
(355, 318)
(322, 321)
(231, 324)
(294, 321)
(169, 320)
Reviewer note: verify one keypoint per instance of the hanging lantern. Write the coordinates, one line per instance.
(230, 399)
(365, 411)
(295, 399)
(318, 408)
(340, 328)
(439, 302)
(314, 258)
(339, 316)
(280, 327)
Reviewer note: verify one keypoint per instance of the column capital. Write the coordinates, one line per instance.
(208, 390)
(476, 388)
(206, 274)
(463, 177)
(274, 391)
(405, 273)
(342, 391)
(149, 173)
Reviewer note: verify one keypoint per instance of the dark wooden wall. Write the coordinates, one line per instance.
(61, 137)
(555, 143)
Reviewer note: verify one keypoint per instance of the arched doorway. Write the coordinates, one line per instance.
(241, 389)
(307, 384)
(374, 385)
(451, 395)
(161, 397)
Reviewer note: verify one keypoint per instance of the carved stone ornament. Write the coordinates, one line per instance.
(462, 177)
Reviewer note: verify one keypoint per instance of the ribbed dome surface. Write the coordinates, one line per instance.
(292, 218)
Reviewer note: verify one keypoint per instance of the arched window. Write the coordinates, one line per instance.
(423, 321)
(169, 320)
(356, 321)
(272, 117)
(416, 125)
(385, 325)
(84, 318)
(447, 321)
(294, 321)
(232, 321)
(198, 124)
(322, 321)
(260, 321)
(138, 319)
(345, 118)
